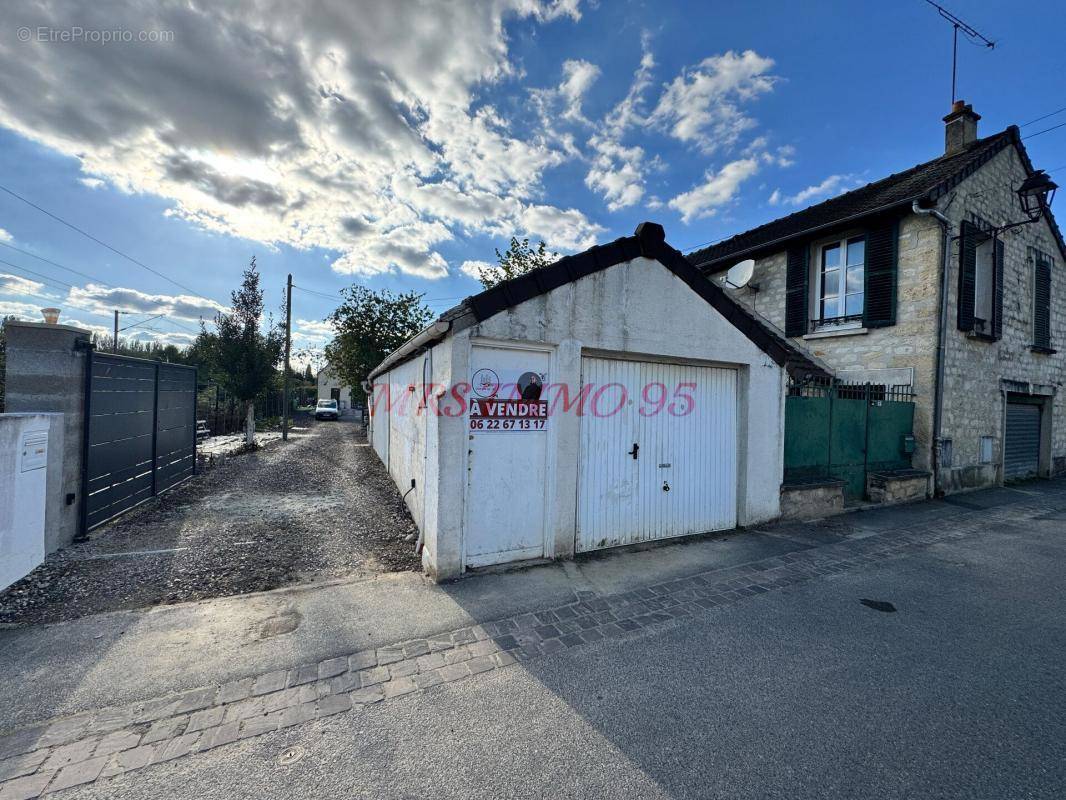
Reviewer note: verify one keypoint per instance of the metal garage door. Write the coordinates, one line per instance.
(658, 452)
(1021, 453)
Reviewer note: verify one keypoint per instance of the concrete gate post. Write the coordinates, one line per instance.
(46, 372)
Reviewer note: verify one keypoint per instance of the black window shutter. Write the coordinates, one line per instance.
(969, 234)
(879, 310)
(997, 297)
(796, 297)
(1042, 303)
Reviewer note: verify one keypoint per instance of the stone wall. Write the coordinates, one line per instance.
(903, 353)
(812, 500)
(975, 369)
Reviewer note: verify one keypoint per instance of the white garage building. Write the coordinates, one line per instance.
(613, 398)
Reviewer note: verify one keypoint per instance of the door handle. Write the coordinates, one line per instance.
(634, 451)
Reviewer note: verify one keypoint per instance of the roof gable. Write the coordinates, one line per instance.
(928, 181)
(649, 241)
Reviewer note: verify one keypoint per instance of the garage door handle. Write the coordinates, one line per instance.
(633, 452)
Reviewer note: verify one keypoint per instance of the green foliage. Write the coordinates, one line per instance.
(369, 325)
(240, 355)
(309, 376)
(519, 259)
(151, 350)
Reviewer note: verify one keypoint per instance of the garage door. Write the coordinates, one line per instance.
(658, 452)
(1021, 453)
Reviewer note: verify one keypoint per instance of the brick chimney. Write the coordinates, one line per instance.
(960, 127)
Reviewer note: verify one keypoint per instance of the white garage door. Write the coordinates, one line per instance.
(658, 452)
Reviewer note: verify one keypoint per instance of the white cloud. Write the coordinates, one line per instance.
(92, 183)
(17, 285)
(617, 170)
(5, 236)
(15, 308)
(580, 75)
(702, 105)
(274, 126)
(831, 186)
(474, 268)
(104, 300)
(717, 190)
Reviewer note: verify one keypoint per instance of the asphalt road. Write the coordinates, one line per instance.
(802, 693)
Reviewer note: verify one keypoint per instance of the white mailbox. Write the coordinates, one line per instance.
(23, 493)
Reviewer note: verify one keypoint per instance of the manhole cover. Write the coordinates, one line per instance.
(291, 755)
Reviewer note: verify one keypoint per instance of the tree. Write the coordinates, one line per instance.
(369, 325)
(309, 376)
(241, 355)
(519, 259)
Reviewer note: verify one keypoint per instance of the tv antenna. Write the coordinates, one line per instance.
(969, 31)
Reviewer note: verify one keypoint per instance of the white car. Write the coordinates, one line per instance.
(327, 409)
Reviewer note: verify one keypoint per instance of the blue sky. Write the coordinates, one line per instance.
(395, 145)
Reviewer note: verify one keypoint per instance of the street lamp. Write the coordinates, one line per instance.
(1036, 193)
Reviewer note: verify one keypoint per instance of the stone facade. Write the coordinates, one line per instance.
(812, 500)
(900, 486)
(977, 372)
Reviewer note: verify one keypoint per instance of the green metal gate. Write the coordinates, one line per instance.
(844, 431)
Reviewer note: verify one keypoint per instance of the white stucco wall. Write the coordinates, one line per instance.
(637, 308)
(327, 381)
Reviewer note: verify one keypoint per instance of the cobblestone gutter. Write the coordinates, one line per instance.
(71, 751)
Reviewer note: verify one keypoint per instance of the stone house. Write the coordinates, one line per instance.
(921, 280)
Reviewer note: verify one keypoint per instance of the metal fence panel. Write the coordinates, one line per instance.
(140, 434)
(844, 431)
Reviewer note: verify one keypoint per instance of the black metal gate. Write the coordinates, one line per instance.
(140, 432)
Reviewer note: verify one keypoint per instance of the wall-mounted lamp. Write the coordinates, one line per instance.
(1036, 194)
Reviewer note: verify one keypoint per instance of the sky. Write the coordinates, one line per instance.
(396, 143)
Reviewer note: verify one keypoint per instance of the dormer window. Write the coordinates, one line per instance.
(841, 282)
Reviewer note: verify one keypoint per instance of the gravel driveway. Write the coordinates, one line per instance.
(315, 508)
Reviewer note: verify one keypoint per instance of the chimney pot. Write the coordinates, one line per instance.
(960, 127)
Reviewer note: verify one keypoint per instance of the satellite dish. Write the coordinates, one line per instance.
(739, 274)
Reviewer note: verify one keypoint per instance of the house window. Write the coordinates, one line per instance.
(841, 282)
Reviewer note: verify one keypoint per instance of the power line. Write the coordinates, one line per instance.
(102, 243)
(53, 263)
(1046, 130)
(47, 278)
(100, 281)
(1053, 113)
(64, 286)
(320, 294)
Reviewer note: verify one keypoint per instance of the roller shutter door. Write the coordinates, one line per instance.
(1021, 454)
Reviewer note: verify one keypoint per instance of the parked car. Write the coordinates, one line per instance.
(327, 409)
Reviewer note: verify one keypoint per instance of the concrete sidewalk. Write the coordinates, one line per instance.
(117, 658)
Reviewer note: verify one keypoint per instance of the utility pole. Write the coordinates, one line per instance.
(114, 342)
(288, 348)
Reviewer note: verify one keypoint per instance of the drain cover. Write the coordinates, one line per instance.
(291, 755)
(879, 605)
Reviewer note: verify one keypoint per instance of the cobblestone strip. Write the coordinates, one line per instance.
(82, 748)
